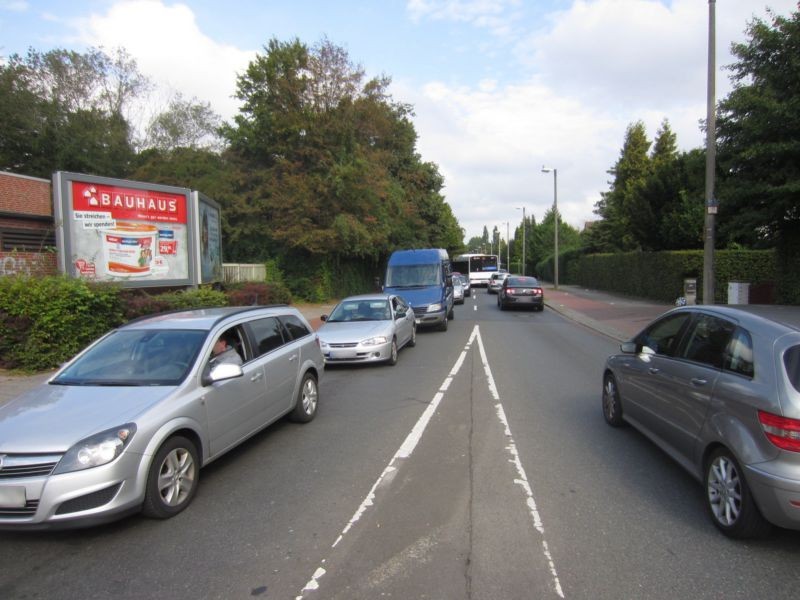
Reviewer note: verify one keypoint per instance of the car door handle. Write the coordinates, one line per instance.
(698, 382)
(653, 370)
(293, 358)
(257, 376)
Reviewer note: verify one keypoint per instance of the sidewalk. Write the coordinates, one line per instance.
(618, 317)
(615, 316)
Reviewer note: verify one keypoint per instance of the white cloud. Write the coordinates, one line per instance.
(170, 49)
(14, 6)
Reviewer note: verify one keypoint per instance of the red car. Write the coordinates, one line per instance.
(521, 291)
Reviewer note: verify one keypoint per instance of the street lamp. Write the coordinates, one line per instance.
(555, 214)
(523, 238)
(508, 248)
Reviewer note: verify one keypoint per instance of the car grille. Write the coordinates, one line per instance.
(347, 345)
(420, 311)
(27, 465)
(27, 511)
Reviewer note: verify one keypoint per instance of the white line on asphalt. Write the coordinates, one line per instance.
(405, 450)
(413, 438)
(522, 479)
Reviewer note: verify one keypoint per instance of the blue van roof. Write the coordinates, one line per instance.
(417, 257)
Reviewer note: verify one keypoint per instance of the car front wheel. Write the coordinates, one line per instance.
(305, 408)
(612, 405)
(172, 479)
(728, 499)
(392, 360)
(413, 341)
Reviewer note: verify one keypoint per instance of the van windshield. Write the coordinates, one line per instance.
(405, 276)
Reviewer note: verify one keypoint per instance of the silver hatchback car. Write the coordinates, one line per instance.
(718, 389)
(128, 423)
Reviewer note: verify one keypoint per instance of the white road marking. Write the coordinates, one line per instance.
(407, 447)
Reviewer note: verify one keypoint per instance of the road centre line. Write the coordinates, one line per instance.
(408, 445)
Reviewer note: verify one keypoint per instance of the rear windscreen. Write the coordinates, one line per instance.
(791, 361)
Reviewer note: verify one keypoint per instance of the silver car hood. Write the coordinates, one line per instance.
(353, 331)
(51, 418)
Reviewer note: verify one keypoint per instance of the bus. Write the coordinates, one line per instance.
(478, 267)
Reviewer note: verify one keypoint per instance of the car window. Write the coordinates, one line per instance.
(707, 340)
(136, 357)
(739, 354)
(791, 362)
(662, 337)
(294, 326)
(268, 334)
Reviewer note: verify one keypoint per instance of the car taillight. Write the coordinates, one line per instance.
(781, 431)
(537, 291)
(510, 291)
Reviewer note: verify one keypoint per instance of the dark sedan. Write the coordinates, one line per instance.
(521, 291)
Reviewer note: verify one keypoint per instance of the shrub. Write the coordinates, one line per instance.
(250, 293)
(138, 303)
(45, 321)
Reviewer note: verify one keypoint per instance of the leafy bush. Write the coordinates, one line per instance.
(45, 321)
(250, 293)
(138, 303)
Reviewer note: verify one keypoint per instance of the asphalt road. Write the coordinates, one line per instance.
(479, 467)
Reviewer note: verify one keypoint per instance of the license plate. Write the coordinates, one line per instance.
(12, 497)
(418, 321)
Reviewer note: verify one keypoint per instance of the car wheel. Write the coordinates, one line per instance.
(172, 479)
(413, 341)
(728, 498)
(612, 405)
(305, 409)
(392, 360)
(443, 324)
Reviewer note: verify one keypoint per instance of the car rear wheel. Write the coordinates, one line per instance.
(612, 405)
(728, 499)
(172, 480)
(305, 408)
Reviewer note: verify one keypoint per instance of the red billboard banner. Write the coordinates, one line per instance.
(128, 203)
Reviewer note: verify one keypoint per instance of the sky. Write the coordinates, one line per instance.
(500, 88)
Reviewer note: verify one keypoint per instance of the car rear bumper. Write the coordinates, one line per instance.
(777, 497)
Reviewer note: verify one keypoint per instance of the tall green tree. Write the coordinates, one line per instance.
(64, 110)
(758, 131)
(618, 205)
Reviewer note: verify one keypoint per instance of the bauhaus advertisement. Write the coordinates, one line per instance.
(134, 233)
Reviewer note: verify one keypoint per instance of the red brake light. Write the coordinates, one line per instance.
(781, 431)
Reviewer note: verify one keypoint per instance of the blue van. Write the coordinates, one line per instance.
(423, 278)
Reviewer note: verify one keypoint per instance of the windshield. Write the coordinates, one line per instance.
(136, 358)
(404, 276)
(361, 310)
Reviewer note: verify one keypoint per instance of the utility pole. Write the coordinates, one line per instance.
(711, 159)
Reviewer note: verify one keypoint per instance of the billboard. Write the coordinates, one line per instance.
(209, 225)
(136, 234)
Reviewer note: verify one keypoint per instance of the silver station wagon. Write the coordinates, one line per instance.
(718, 389)
(128, 423)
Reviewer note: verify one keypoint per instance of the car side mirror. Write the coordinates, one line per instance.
(222, 372)
(630, 348)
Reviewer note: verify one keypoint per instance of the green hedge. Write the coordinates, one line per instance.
(660, 275)
(45, 321)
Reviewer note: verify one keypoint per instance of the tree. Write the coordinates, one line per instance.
(618, 206)
(758, 131)
(63, 110)
(184, 124)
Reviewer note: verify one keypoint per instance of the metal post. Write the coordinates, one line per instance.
(555, 214)
(524, 227)
(711, 156)
(508, 247)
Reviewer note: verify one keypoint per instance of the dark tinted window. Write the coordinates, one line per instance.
(707, 339)
(791, 361)
(522, 282)
(295, 327)
(662, 337)
(268, 334)
(739, 354)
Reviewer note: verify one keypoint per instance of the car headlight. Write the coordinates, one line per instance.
(434, 307)
(323, 344)
(98, 449)
(375, 341)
